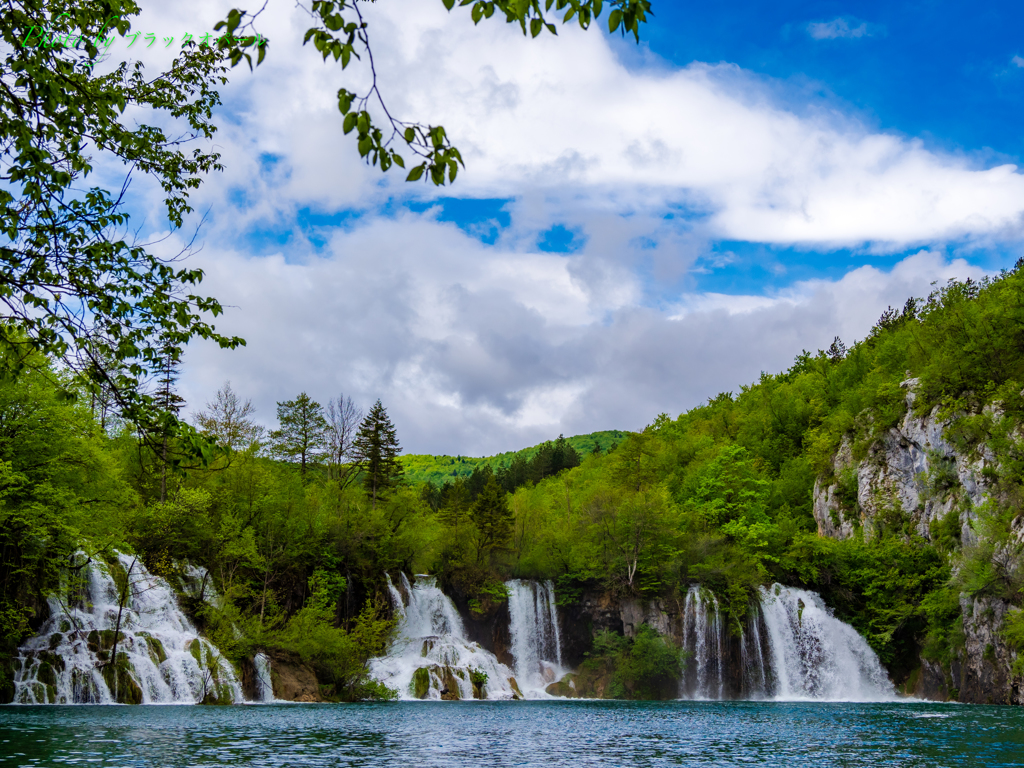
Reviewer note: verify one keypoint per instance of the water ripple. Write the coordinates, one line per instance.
(516, 734)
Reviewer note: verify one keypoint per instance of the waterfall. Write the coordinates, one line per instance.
(816, 656)
(791, 647)
(536, 645)
(755, 675)
(264, 685)
(160, 657)
(702, 639)
(430, 657)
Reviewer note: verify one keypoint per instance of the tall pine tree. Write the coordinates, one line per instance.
(376, 452)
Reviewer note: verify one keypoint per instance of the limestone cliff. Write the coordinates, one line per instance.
(908, 479)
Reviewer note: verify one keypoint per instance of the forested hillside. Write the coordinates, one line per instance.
(298, 541)
(425, 468)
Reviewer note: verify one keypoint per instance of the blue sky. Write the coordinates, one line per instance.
(638, 227)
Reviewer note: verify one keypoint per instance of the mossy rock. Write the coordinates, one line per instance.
(39, 693)
(65, 625)
(55, 640)
(564, 688)
(120, 682)
(219, 694)
(421, 683)
(45, 674)
(156, 648)
(516, 693)
(84, 687)
(102, 640)
(450, 687)
(195, 647)
(54, 660)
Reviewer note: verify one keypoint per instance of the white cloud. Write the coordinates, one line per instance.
(476, 349)
(565, 119)
(1019, 61)
(840, 27)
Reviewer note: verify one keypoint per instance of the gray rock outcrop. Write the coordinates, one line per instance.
(914, 474)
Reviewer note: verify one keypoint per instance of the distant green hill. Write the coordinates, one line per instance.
(422, 468)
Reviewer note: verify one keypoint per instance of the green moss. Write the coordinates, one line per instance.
(120, 682)
(421, 683)
(156, 648)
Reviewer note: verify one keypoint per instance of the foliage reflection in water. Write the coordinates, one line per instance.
(538, 733)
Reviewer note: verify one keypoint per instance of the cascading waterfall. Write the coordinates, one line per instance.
(536, 644)
(430, 657)
(816, 656)
(792, 647)
(702, 639)
(160, 658)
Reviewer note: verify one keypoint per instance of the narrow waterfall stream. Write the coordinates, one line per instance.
(264, 685)
(792, 648)
(160, 658)
(430, 657)
(536, 643)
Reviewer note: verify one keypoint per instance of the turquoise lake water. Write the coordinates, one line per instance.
(551, 734)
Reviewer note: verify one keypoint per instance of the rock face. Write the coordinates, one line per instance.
(912, 470)
(293, 681)
(911, 477)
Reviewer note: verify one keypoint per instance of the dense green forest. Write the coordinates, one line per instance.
(299, 526)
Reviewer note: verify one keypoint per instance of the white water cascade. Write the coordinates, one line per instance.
(536, 644)
(702, 639)
(160, 657)
(816, 656)
(264, 686)
(430, 657)
(792, 648)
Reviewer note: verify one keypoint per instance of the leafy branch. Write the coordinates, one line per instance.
(340, 32)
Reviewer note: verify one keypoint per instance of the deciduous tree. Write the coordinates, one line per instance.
(301, 434)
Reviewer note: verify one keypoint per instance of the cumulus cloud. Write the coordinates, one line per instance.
(837, 28)
(566, 120)
(1018, 60)
(477, 349)
(480, 348)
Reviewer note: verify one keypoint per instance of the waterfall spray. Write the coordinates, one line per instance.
(536, 642)
(430, 657)
(130, 643)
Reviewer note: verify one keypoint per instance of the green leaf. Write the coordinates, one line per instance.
(614, 19)
(536, 25)
(350, 122)
(345, 101)
(416, 173)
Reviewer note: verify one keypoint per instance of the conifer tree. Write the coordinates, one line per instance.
(376, 452)
(302, 431)
(170, 403)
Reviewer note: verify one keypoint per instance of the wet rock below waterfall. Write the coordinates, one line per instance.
(293, 680)
(564, 688)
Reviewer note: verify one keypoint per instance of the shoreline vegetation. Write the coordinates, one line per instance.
(298, 527)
